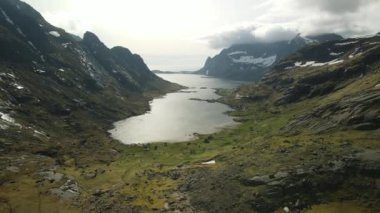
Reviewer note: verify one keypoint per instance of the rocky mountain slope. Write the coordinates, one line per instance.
(249, 62)
(59, 94)
(308, 142)
(308, 139)
(310, 136)
(48, 74)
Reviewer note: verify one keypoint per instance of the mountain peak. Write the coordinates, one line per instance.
(91, 39)
(325, 37)
(121, 50)
(251, 61)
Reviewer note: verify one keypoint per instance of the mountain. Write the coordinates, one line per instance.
(249, 62)
(309, 138)
(59, 94)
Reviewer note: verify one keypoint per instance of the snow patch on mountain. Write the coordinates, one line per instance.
(6, 120)
(32, 45)
(7, 18)
(301, 64)
(55, 34)
(317, 64)
(6, 117)
(266, 61)
(65, 45)
(20, 31)
(374, 43)
(346, 43)
(40, 71)
(309, 41)
(18, 86)
(237, 53)
(336, 54)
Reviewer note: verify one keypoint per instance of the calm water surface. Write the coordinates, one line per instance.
(175, 117)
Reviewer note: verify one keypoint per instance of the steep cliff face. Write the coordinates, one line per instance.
(250, 62)
(50, 79)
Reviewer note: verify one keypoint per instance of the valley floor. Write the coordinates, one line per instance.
(253, 167)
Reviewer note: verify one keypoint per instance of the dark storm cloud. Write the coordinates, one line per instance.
(285, 18)
(249, 35)
(227, 38)
(336, 6)
(345, 17)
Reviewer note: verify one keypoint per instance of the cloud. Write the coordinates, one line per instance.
(249, 35)
(348, 18)
(241, 35)
(283, 19)
(273, 33)
(335, 6)
(169, 24)
(72, 23)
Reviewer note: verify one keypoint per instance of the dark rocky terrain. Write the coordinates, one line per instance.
(59, 94)
(310, 135)
(48, 74)
(308, 139)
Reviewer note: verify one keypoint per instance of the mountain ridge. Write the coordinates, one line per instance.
(250, 62)
(308, 138)
(47, 74)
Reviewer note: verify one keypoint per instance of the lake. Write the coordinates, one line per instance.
(175, 117)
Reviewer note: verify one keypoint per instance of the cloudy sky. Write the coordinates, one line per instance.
(180, 34)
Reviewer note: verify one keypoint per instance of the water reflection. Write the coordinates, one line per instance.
(174, 117)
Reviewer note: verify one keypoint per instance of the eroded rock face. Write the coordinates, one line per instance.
(69, 191)
(297, 188)
(319, 84)
(360, 112)
(52, 176)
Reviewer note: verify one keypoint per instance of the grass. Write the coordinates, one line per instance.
(256, 143)
(335, 207)
(24, 196)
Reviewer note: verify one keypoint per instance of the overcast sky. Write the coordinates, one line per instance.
(180, 34)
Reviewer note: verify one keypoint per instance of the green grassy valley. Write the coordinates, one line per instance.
(307, 139)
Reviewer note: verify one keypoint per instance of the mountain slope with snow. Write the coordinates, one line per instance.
(251, 61)
(53, 82)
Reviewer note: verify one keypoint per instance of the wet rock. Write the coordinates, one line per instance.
(69, 191)
(90, 175)
(366, 126)
(60, 110)
(274, 180)
(256, 181)
(50, 152)
(294, 93)
(114, 152)
(280, 175)
(13, 169)
(100, 171)
(345, 144)
(173, 174)
(367, 162)
(52, 176)
(99, 192)
(286, 209)
(166, 206)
